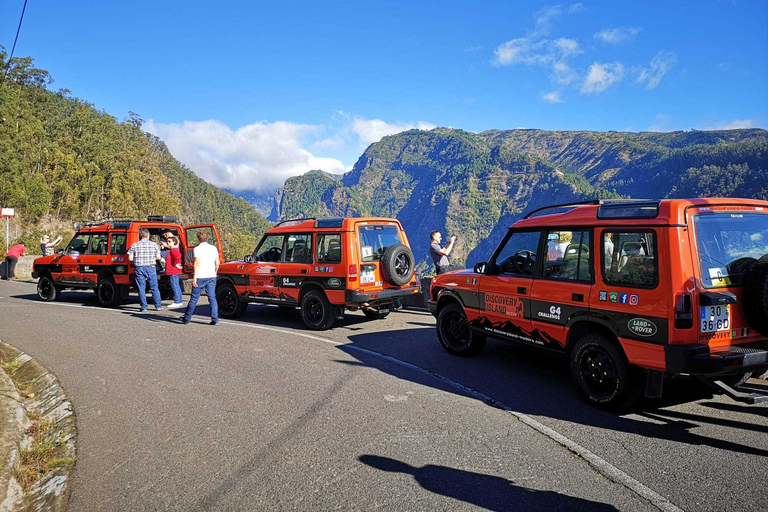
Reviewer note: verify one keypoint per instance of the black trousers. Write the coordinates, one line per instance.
(10, 266)
(442, 269)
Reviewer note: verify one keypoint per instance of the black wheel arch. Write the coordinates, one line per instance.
(582, 326)
(307, 287)
(446, 297)
(222, 280)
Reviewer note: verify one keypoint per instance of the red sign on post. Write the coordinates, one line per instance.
(7, 212)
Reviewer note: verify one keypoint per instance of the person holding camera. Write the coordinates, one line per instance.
(440, 254)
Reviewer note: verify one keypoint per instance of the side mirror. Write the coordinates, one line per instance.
(248, 258)
(480, 267)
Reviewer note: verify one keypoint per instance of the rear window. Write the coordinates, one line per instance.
(728, 244)
(375, 239)
(629, 258)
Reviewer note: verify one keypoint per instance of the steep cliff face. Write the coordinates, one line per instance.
(475, 185)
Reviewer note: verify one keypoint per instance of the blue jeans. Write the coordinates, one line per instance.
(177, 298)
(209, 285)
(142, 275)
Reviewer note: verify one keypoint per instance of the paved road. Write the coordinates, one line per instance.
(261, 414)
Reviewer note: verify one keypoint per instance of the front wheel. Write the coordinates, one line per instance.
(47, 290)
(455, 334)
(230, 305)
(316, 311)
(602, 373)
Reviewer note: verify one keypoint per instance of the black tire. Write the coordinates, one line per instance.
(230, 305)
(375, 314)
(316, 311)
(603, 375)
(47, 290)
(108, 293)
(397, 265)
(756, 296)
(455, 334)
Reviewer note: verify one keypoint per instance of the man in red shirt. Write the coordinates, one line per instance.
(11, 258)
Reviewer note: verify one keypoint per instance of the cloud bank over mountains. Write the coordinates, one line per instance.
(261, 156)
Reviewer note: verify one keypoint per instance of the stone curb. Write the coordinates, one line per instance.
(52, 406)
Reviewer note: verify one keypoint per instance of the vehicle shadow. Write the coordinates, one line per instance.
(540, 385)
(487, 491)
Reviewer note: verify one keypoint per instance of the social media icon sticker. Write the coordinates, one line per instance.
(603, 296)
(634, 300)
(614, 296)
(623, 298)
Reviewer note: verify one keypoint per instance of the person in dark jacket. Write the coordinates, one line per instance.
(440, 254)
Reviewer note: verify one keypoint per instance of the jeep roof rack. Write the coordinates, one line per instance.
(293, 220)
(593, 202)
(333, 222)
(162, 218)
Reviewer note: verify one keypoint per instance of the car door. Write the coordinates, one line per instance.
(295, 265)
(505, 287)
(70, 260)
(262, 271)
(190, 234)
(561, 293)
(95, 257)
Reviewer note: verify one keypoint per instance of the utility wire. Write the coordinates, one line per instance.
(15, 40)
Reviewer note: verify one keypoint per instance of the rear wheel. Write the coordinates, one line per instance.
(108, 293)
(602, 373)
(230, 305)
(455, 334)
(316, 311)
(376, 314)
(397, 265)
(47, 290)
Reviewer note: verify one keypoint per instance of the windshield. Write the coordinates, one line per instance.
(729, 243)
(375, 239)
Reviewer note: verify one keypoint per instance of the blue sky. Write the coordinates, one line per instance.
(248, 93)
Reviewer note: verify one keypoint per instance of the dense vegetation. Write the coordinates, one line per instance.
(62, 160)
(476, 185)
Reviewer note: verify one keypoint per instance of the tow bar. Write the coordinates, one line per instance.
(739, 396)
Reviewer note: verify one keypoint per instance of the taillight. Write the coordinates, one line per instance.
(683, 311)
(352, 274)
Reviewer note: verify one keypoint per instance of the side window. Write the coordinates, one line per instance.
(117, 243)
(298, 249)
(518, 256)
(629, 258)
(328, 248)
(567, 255)
(98, 244)
(270, 249)
(192, 240)
(78, 245)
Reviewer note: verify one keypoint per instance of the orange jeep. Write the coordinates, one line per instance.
(323, 266)
(629, 291)
(97, 258)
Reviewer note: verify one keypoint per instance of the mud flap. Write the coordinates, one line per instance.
(654, 383)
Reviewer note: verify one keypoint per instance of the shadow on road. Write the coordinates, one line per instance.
(486, 491)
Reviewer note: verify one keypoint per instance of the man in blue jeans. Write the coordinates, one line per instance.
(145, 254)
(204, 278)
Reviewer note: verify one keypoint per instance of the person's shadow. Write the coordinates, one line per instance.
(487, 491)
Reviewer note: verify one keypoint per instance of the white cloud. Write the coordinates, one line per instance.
(552, 97)
(661, 63)
(372, 130)
(617, 35)
(259, 156)
(733, 125)
(575, 8)
(563, 74)
(601, 77)
(543, 20)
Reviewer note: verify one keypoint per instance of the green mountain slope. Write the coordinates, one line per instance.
(62, 160)
(476, 185)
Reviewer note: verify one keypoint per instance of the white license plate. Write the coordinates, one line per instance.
(715, 318)
(367, 277)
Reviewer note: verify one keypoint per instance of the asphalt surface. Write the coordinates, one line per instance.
(259, 413)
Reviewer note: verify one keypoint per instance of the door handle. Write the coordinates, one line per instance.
(272, 270)
(101, 261)
(522, 289)
(304, 271)
(577, 297)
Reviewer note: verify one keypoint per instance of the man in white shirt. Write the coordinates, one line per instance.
(206, 266)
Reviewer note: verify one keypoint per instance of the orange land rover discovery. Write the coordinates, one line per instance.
(629, 291)
(323, 266)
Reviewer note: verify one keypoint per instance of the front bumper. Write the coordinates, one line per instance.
(34, 275)
(700, 360)
(388, 295)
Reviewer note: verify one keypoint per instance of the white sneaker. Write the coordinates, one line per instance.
(175, 305)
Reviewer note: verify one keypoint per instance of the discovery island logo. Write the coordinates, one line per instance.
(642, 327)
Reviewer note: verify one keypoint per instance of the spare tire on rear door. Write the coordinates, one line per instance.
(756, 295)
(397, 264)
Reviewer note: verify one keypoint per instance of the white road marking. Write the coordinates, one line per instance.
(601, 465)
